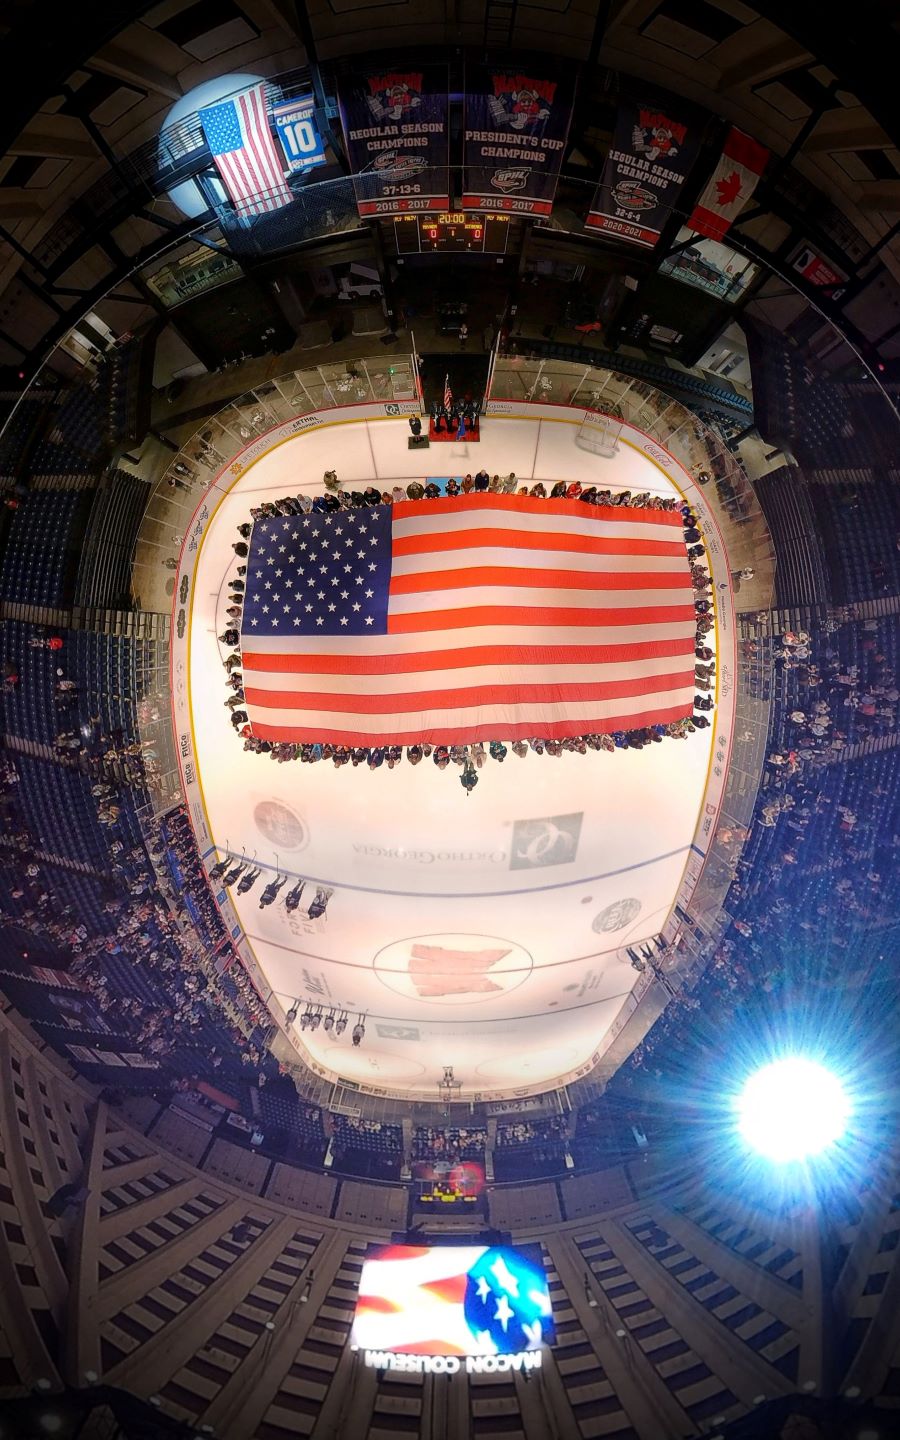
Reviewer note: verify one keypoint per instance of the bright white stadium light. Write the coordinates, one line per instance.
(792, 1109)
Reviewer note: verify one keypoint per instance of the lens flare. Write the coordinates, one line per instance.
(792, 1109)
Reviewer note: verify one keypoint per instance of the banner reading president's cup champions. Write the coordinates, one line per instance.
(652, 153)
(395, 129)
(517, 121)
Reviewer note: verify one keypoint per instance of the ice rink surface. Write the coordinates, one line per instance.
(486, 931)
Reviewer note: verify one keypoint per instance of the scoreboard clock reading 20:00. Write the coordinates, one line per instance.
(451, 231)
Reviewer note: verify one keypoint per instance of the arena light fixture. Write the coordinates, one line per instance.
(792, 1109)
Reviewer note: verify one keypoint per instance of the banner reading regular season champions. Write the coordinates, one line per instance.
(395, 128)
(651, 156)
(517, 122)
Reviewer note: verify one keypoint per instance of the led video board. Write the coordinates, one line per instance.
(453, 1300)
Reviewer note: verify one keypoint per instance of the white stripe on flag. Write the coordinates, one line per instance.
(515, 598)
(492, 720)
(461, 679)
(477, 558)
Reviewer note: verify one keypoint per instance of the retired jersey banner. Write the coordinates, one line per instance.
(517, 123)
(730, 186)
(295, 121)
(651, 156)
(395, 129)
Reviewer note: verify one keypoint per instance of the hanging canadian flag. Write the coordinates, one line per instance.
(730, 186)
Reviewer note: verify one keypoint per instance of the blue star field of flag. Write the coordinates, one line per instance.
(319, 575)
(507, 1304)
(222, 128)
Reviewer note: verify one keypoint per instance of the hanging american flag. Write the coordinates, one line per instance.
(237, 132)
(453, 1300)
(448, 393)
(479, 617)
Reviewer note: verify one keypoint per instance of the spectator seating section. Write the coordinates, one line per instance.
(21, 431)
(39, 559)
(104, 574)
(448, 1143)
(127, 389)
(860, 526)
(820, 420)
(800, 573)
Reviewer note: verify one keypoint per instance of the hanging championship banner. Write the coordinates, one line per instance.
(395, 129)
(517, 122)
(651, 156)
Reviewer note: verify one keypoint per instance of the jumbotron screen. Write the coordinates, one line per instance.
(453, 1300)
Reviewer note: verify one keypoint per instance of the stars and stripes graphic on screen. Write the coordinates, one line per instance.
(448, 393)
(471, 618)
(240, 142)
(452, 1300)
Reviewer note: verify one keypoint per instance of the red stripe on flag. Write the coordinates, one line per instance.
(473, 655)
(574, 510)
(452, 1289)
(507, 615)
(544, 579)
(466, 734)
(526, 540)
(379, 1303)
(463, 699)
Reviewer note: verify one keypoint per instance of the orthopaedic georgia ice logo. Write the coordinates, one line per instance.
(551, 840)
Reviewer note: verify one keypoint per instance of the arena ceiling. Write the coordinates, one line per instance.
(816, 90)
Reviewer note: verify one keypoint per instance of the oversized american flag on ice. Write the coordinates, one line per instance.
(452, 1300)
(240, 142)
(470, 618)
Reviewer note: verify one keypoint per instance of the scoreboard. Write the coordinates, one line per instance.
(451, 231)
